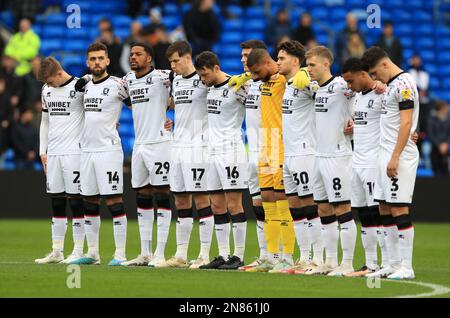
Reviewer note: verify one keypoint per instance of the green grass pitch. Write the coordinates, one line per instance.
(24, 240)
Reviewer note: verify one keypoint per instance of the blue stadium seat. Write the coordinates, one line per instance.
(122, 32)
(434, 84)
(73, 60)
(75, 45)
(7, 17)
(320, 13)
(144, 20)
(254, 12)
(403, 29)
(172, 23)
(78, 33)
(427, 56)
(126, 129)
(231, 37)
(170, 9)
(127, 144)
(444, 57)
(444, 43)
(185, 7)
(126, 116)
(424, 30)
(9, 165)
(77, 70)
(422, 17)
(233, 25)
(57, 19)
(236, 10)
(52, 32)
(121, 21)
(407, 42)
(255, 25)
(424, 43)
(338, 14)
(50, 45)
(253, 36)
(230, 50)
(85, 5)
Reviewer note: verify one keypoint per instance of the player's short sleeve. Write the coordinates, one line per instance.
(405, 95)
(44, 103)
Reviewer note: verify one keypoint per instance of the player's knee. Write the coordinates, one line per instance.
(185, 213)
(259, 213)
(144, 201)
(117, 199)
(59, 206)
(183, 201)
(76, 206)
(325, 209)
(201, 201)
(235, 206)
(116, 210)
(146, 191)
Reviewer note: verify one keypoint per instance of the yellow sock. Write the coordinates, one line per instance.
(287, 227)
(272, 226)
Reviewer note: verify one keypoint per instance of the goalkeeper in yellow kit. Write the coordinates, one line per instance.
(278, 220)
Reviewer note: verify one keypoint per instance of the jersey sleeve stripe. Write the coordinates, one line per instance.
(407, 104)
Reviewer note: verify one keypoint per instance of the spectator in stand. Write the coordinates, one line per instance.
(135, 7)
(391, 44)
(32, 99)
(5, 118)
(114, 46)
(24, 141)
(422, 79)
(23, 47)
(304, 32)
(439, 135)
(26, 9)
(157, 37)
(355, 48)
(279, 27)
(343, 37)
(135, 36)
(13, 82)
(201, 26)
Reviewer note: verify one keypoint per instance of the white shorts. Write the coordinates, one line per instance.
(63, 174)
(298, 175)
(102, 173)
(332, 179)
(253, 181)
(363, 186)
(228, 171)
(398, 190)
(188, 169)
(150, 164)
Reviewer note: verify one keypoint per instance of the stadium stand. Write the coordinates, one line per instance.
(421, 30)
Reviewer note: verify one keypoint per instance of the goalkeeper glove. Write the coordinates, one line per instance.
(301, 80)
(81, 83)
(238, 80)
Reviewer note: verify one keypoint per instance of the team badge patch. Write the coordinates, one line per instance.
(406, 94)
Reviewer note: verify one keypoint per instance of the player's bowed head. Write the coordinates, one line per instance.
(207, 65)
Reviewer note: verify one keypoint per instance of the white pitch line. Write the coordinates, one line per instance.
(437, 289)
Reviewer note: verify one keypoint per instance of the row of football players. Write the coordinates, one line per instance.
(209, 161)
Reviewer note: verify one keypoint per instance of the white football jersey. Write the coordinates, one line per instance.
(65, 121)
(333, 109)
(102, 106)
(191, 115)
(298, 118)
(226, 112)
(366, 131)
(149, 97)
(401, 94)
(253, 115)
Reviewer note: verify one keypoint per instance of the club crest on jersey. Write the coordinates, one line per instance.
(105, 91)
(196, 83)
(260, 87)
(225, 93)
(331, 88)
(149, 80)
(72, 94)
(48, 94)
(296, 91)
(370, 104)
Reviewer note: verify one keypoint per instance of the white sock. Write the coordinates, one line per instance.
(288, 258)
(59, 228)
(206, 227)
(369, 240)
(78, 234)
(120, 235)
(330, 238)
(383, 248)
(392, 245)
(239, 233)
(261, 239)
(223, 239)
(183, 232)
(406, 243)
(164, 217)
(273, 258)
(92, 228)
(145, 221)
(348, 239)
(315, 238)
(301, 234)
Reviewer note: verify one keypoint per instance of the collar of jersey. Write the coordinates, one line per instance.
(328, 82)
(366, 92)
(392, 79)
(190, 75)
(70, 80)
(101, 81)
(151, 70)
(221, 84)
